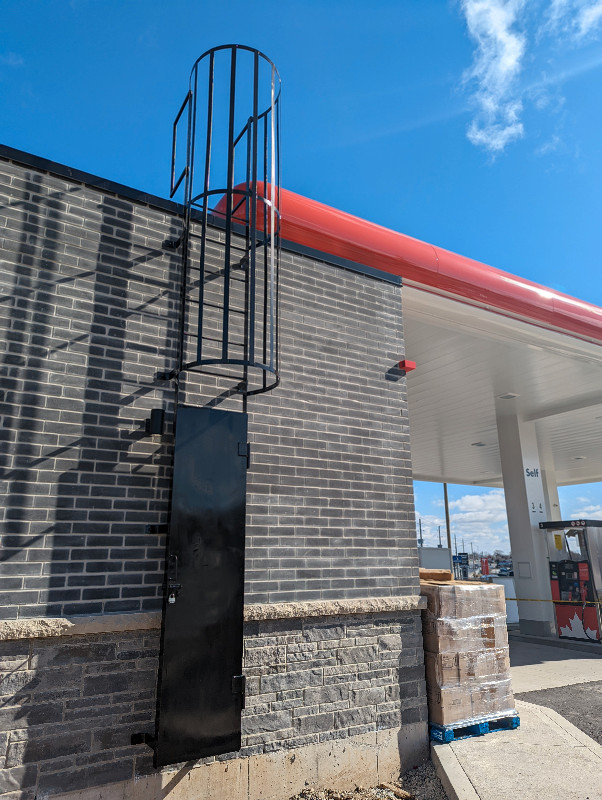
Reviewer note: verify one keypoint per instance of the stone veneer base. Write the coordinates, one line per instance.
(363, 760)
(340, 694)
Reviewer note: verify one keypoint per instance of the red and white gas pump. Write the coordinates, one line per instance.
(575, 556)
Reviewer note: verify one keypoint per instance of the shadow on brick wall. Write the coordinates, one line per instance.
(82, 480)
(91, 317)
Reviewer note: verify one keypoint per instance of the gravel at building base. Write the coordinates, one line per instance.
(421, 783)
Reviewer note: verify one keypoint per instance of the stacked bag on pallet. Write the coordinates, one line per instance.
(466, 652)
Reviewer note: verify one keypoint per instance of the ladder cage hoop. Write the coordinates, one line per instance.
(230, 187)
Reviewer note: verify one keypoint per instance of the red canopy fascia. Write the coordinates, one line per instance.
(320, 227)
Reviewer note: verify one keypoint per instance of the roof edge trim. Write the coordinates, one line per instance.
(320, 227)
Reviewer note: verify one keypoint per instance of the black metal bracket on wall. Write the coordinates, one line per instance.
(239, 688)
(244, 450)
(157, 529)
(155, 424)
(143, 738)
(172, 244)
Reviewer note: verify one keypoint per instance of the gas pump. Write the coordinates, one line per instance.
(575, 556)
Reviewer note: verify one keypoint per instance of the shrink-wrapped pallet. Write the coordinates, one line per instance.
(466, 634)
(466, 652)
(461, 600)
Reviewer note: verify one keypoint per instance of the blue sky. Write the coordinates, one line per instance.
(472, 124)
(478, 514)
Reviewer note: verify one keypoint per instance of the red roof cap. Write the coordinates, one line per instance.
(315, 225)
(307, 222)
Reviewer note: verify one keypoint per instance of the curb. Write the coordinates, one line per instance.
(580, 646)
(451, 773)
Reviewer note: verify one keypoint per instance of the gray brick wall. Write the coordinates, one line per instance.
(75, 701)
(89, 318)
(330, 493)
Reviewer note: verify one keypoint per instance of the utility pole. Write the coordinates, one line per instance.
(420, 539)
(454, 566)
(439, 545)
(448, 528)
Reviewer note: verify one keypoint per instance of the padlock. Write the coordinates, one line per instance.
(172, 598)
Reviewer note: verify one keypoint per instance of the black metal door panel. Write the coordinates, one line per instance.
(200, 699)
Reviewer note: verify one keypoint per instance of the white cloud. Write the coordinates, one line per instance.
(9, 59)
(480, 509)
(542, 100)
(548, 147)
(513, 37)
(477, 519)
(497, 65)
(587, 511)
(589, 19)
(578, 18)
(556, 12)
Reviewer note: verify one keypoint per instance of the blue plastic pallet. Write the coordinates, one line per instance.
(451, 733)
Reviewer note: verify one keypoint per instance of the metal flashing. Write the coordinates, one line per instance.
(318, 255)
(93, 181)
(162, 204)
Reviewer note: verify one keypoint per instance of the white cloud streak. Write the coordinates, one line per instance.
(588, 511)
(492, 24)
(9, 59)
(580, 19)
(507, 35)
(548, 147)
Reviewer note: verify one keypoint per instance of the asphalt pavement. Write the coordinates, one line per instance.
(580, 704)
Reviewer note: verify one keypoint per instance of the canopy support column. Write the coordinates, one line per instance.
(529, 501)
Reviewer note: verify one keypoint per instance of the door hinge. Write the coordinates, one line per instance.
(244, 449)
(239, 686)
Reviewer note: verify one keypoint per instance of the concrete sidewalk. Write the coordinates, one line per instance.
(547, 757)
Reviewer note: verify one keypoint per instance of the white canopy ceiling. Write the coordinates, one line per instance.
(467, 357)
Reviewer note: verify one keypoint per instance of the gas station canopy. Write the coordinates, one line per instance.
(486, 343)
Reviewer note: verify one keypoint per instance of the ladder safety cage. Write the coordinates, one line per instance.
(175, 184)
(231, 116)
